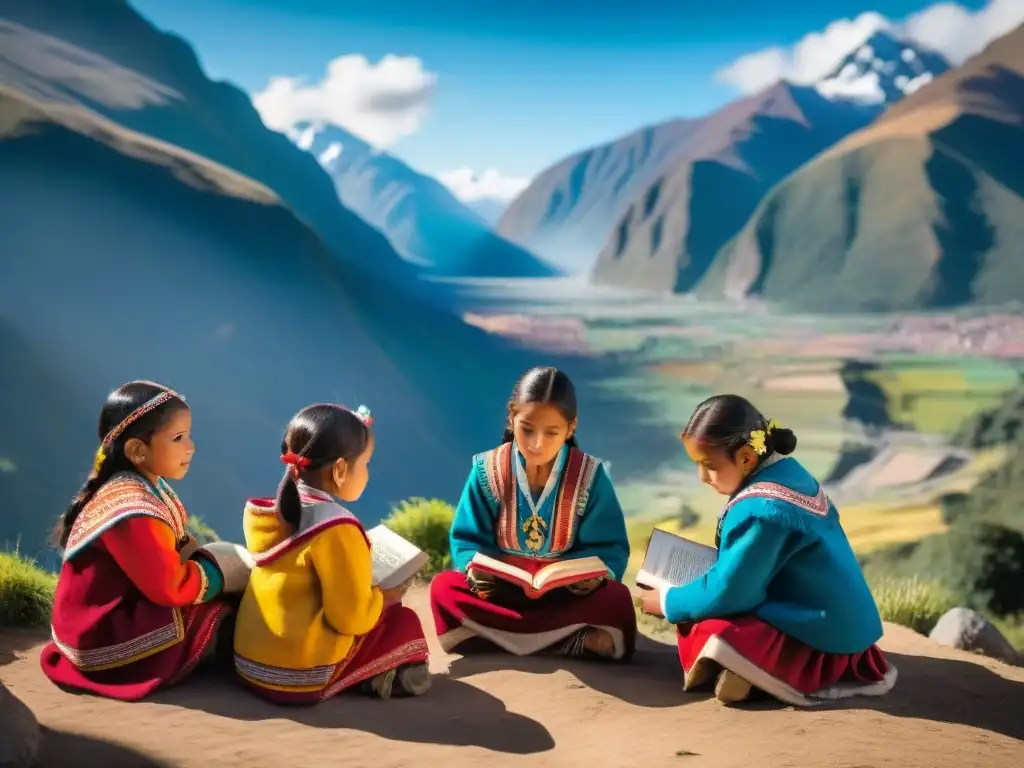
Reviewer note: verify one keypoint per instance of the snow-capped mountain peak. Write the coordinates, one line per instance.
(883, 69)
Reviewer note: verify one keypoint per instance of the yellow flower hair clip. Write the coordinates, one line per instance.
(97, 462)
(757, 441)
(759, 437)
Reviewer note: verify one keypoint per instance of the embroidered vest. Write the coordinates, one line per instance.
(501, 489)
(120, 498)
(130, 628)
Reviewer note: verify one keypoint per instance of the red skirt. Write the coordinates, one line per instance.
(777, 664)
(397, 640)
(138, 679)
(530, 626)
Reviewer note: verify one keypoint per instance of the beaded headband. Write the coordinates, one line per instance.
(138, 413)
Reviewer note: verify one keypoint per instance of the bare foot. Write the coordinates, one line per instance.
(599, 642)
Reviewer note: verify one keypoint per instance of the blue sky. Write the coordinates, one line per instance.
(520, 87)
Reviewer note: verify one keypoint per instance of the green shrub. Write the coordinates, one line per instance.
(913, 603)
(986, 566)
(203, 533)
(26, 592)
(426, 523)
(980, 561)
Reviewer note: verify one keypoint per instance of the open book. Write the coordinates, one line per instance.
(672, 561)
(539, 577)
(233, 561)
(395, 560)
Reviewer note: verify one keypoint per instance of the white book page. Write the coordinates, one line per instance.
(395, 560)
(674, 561)
(500, 566)
(570, 567)
(234, 562)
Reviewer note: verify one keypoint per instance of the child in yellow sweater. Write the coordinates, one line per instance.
(311, 624)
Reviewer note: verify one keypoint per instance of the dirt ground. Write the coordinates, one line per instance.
(948, 709)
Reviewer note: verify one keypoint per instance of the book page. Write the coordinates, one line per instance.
(234, 562)
(395, 560)
(493, 565)
(582, 566)
(674, 561)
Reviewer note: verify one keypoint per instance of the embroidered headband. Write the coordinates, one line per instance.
(296, 462)
(131, 418)
(759, 437)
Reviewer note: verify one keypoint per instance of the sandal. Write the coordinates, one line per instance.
(412, 680)
(380, 685)
(731, 689)
(588, 642)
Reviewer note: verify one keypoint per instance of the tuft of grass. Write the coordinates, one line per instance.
(203, 533)
(426, 523)
(913, 603)
(653, 627)
(26, 592)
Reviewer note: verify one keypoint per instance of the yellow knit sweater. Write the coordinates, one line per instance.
(309, 596)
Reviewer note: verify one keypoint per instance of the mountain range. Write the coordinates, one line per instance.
(783, 189)
(579, 210)
(923, 208)
(421, 218)
(151, 81)
(152, 227)
(671, 231)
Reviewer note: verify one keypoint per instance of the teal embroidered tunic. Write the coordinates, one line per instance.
(576, 515)
(784, 558)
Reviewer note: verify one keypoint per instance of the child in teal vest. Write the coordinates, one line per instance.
(785, 609)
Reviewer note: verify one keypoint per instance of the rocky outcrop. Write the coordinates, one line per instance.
(967, 630)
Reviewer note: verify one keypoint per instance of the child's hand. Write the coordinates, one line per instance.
(481, 584)
(650, 602)
(395, 594)
(189, 548)
(584, 587)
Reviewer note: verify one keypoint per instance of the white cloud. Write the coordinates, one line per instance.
(948, 28)
(379, 103)
(491, 184)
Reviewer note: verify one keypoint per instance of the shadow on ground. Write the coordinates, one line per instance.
(651, 679)
(72, 750)
(452, 713)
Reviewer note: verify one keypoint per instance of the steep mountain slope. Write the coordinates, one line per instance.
(671, 231)
(127, 257)
(102, 55)
(575, 209)
(924, 208)
(424, 222)
(566, 213)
